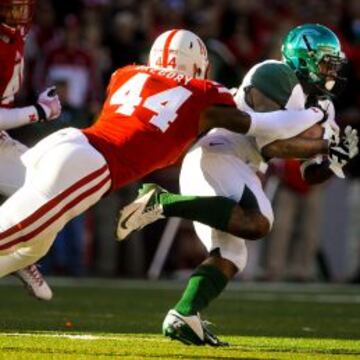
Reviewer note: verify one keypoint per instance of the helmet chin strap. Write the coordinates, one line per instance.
(198, 73)
(322, 89)
(314, 88)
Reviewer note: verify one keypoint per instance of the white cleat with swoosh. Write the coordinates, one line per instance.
(144, 210)
(190, 330)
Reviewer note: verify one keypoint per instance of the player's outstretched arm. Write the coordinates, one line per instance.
(47, 108)
(281, 124)
(225, 117)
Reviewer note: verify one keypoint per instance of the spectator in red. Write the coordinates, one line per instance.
(69, 62)
(43, 33)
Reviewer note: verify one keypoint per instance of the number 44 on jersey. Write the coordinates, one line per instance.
(164, 104)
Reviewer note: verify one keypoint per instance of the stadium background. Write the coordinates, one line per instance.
(77, 44)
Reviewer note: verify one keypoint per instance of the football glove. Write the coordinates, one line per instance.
(342, 149)
(48, 105)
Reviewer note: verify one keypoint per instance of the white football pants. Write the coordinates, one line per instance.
(65, 175)
(12, 170)
(213, 171)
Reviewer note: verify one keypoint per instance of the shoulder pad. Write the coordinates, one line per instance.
(276, 80)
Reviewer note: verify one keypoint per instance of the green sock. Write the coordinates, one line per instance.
(214, 211)
(205, 284)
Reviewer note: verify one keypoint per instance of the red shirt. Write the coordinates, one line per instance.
(11, 63)
(75, 66)
(150, 117)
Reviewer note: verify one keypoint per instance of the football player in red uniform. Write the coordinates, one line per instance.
(151, 115)
(15, 20)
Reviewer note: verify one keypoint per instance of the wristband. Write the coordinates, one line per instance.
(41, 113)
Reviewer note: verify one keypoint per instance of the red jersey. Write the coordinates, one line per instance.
(150, 118)
(12, 63)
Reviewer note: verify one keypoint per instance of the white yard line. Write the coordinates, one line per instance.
(121, 337)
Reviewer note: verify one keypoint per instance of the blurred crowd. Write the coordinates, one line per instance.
(77, 44)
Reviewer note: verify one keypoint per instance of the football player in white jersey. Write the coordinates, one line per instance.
(224, 165)
(15, 20)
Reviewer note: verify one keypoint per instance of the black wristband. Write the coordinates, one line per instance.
(41, 113)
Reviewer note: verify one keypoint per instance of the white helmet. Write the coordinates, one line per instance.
(181, 51)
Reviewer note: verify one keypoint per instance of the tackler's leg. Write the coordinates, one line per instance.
(65, 176)
(12, 178)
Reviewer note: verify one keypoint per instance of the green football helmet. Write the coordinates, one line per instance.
(313, 51)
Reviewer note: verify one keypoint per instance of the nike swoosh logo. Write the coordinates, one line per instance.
(124, 222)
(215, 143)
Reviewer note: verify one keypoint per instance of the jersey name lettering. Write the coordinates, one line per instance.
(167, 74)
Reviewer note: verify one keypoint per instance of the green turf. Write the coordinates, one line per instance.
(122, 320)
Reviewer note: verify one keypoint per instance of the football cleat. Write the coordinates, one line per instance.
(34, 282)
(190, 330)
(144, 210)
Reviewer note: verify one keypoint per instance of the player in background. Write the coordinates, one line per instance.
(151, 115)
(15, 20)
(221, 170)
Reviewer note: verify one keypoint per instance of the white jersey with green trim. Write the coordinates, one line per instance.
(277, 81)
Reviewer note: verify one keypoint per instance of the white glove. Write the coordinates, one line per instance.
(330, 126)
(342, 149)
(50, 103)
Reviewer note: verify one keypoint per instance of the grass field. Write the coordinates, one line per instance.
(97, 319)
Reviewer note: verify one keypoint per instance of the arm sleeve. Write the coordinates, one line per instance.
(13, 118)
(283, 124)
